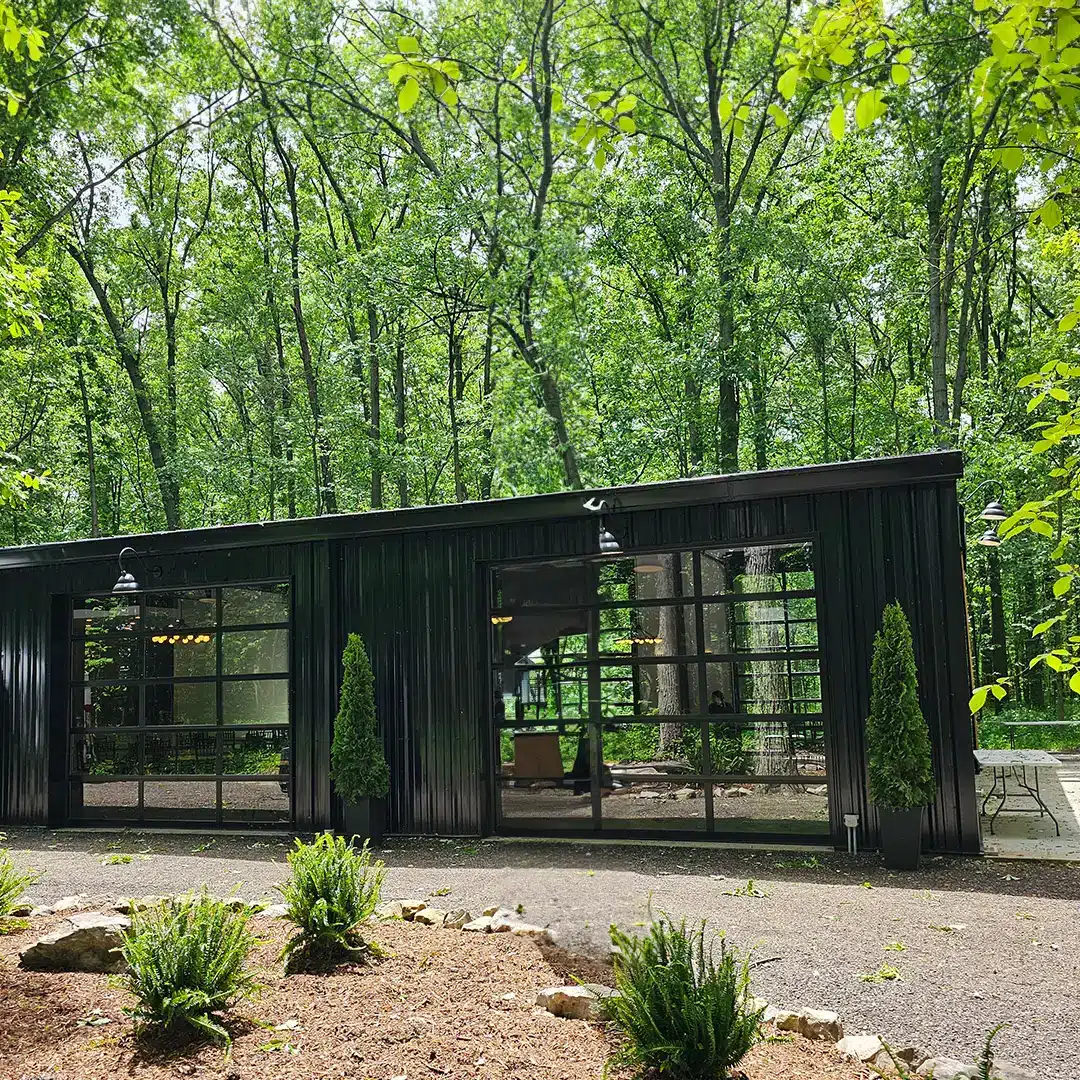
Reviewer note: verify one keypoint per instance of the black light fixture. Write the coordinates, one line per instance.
(994, 511)
(126, 582)
(990, 538)
(608, 544)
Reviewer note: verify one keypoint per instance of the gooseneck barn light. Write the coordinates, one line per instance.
(608, 544)
(126, 582)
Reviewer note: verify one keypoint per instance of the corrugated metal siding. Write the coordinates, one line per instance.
(419, 600)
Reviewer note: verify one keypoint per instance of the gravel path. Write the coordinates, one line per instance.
(983, 941)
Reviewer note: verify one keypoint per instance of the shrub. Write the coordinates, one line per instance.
(333, 889)
(686, 1014)
(357, 762)
(901, 772)
(13, 883)
(187, 959)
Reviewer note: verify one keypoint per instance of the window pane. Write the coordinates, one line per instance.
(258, 753)
(255, 652)
(661, 804)
(101, 658)
(647, 577)
(254, 800)
(645, 690)
(246, 604)
(757, 569)
(181, 655)
(180, 800)
(562, 805)
(539, 639)
(105, 614)
(105, 706)
(117, 799)
(190, 753)
(760, 687)
(526, 695)
(664, 630)
(181, 611)
(264, 701)
(181, 703)
(567, 583)
(539, 755)
(105, 754)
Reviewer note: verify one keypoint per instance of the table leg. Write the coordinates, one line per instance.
(1035, 793)
(1001, 771)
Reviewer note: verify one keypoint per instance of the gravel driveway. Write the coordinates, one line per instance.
(982, 941)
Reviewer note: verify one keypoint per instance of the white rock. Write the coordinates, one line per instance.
(392, 910)
(529, 930)
(943, 1068)
(41, 912)
(494, 909)
(736, 792)
(685, 793)
(821, 1024)
(1004, 1070)
(87, 942)
(479, 926)
(430, 916)
(455, 920)
(860, 1047)
(274, 911)
(69, 903)
(784, 1019)
(410, 907)
(576, 1002)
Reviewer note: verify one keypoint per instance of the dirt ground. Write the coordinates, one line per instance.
(441, 1004)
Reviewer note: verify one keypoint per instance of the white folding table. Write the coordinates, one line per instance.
(1013, 765)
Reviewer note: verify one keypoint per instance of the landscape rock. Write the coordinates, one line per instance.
(40, 912)
(736, 792)
(392, 910)
(913, 1056)
(457, 919)
(88, 942)
(860, 1047)
(479, 926)
(69, 903)
(495, 909)
(529, 930)
(502, 921)
(810, 1023)
(944, 1068)
(274, 911)
(129, 904)
(576, 1002)
(685, 793)
(784, 1019)
(20, 911)
(1004, 1070)
(430, 916)
(409, 908)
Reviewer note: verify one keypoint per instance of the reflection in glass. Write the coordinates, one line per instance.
(181, 703)
(253, 604)
(105, 754)
(260, 752)
(180, 799)
(100, 799)
(99, 658)
(189, 753)
(105, 706)
(181, 656)
(103, 614)
(647, 577)
(255, 701)
(181, 612)
(255, 652)
(254, 800)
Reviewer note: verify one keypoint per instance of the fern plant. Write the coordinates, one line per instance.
(683, 1006)
(187, 962)
(332, 891)
(13, 883)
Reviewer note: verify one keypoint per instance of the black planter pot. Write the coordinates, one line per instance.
(901, 837)
(364, 819)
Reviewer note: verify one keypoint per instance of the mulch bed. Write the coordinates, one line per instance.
(442, 1004)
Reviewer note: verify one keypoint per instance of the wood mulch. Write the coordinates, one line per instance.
(441, 1004)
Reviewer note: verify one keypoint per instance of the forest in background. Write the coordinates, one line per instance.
(307, 259)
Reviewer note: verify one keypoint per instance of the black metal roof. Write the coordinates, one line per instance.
(770, 483)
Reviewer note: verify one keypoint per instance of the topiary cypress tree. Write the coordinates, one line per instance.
(901, 771)
(357, 762)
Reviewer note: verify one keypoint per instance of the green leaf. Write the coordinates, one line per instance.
(875, 48)
(450, 97)
(1062, 586)
(779, 117)
(408, 95)
(837, 121)
(600, 157)
(787, 83)
(1068, 29)
(901, 73)
(997, 691)
(1074, 682)
(627, 125)
(1050, 214)
(978, 699)
(626, 104)
(1042, 528)
(1012, 158)
(724, 108)
(1044, 626)
(870, 107)
(407, 45)
(905, 56)
(1067, 322)
(556, 100)
(520, 70)
(841, 55)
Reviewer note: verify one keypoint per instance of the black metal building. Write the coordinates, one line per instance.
(705, 675)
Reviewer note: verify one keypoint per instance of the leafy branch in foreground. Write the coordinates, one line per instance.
(13, 883)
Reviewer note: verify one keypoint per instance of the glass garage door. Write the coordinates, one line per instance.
(661, 694)
(180, 707)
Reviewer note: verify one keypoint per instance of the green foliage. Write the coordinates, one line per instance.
(187, 962)
(332, 890)
(13, 883)
(357, 762)
(901, 773)
(685, 1012)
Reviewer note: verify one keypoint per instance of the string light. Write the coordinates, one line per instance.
(499, 620)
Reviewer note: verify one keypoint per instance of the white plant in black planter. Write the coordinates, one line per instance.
(901, 771)
(357, 762)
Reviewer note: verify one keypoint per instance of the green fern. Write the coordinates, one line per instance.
(13, 883)
(685, 1013)
(187, 962)
(332, 891)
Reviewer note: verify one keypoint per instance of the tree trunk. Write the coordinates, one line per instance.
(374, 420)
(399, 416)
(938, 301)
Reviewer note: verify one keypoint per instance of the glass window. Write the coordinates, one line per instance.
(255, 701)
(181, 656)
(114, 658)
(647, 577)
(97, 615)
(188, 753)
(254, 604)
(105, 706)
(181, 703)
(646, 631)
(255, 652)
